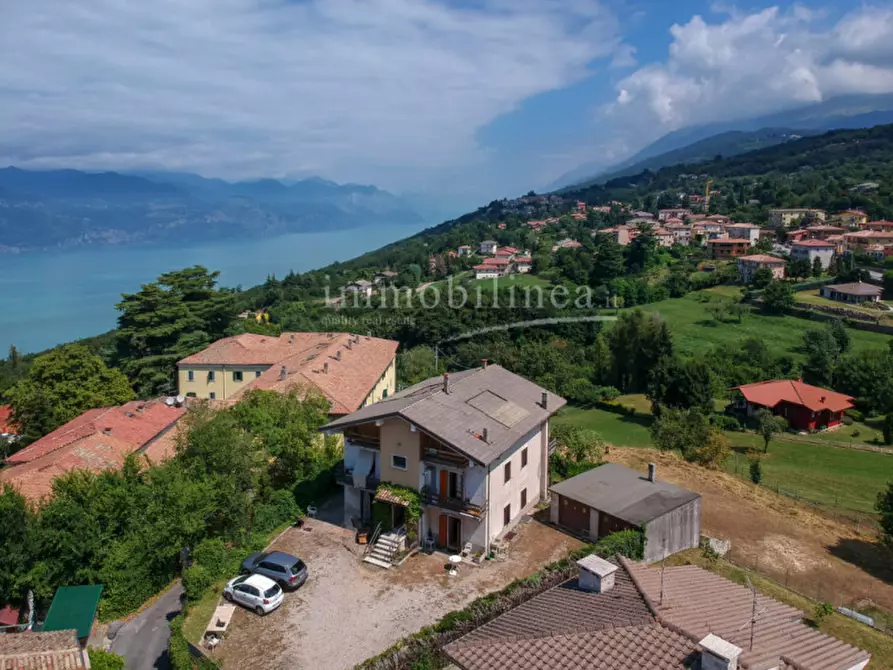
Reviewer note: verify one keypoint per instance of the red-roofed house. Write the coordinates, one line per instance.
(805, 407)
(523, 264)
(350, 370)
(809, 250)
(7, 429)
(97, 440)
(748, 266)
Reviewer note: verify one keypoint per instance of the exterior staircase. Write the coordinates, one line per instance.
(383, 549)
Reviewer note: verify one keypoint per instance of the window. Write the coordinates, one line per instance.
(256, 373)
(524, 458)
(190, 395)
(508, 472)
(191, 375)
(398, 462)
(507, 515)
(212, 395)
(210, 375)
(384, 394)
(237, 375)
(523, 498)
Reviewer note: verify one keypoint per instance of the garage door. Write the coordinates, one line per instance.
(573, 515)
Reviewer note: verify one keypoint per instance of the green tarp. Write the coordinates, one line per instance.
(73, 607)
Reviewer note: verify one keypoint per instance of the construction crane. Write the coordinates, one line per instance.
(707, 197)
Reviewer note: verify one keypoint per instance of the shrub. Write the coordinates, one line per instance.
(212, 555)
(196, 580)
(821, 612)
(100, 659)
(847, 420)
(725, 422)
(280, 509)
(629, 543)
(855, 415)
(756, 471)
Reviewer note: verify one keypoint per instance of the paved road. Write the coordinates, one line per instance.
(143, 640)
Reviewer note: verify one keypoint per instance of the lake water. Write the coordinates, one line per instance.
(54, 297)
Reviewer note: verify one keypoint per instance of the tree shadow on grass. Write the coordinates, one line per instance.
(873, 557)
(710, 323)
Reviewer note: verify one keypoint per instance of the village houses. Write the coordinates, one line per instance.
(749, 265)
(810, 250)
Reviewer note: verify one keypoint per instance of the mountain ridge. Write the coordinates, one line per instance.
(63, 208)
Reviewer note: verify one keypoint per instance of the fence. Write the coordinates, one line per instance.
(805, 584)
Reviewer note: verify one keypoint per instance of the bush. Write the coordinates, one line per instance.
(725, 422)
(756, 471)
(100, 659)
(280, 509)
(629, 543)
(855, 415)
(196, 580)
(847, 420)
(212, 555)
(888, 429)
(821, 612)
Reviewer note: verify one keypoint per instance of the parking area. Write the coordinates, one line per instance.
(348, 611)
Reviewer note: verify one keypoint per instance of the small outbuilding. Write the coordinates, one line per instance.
(612, 497)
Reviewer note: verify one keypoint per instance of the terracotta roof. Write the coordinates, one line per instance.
(490, 399)
(879, 224)
(523, 259)
(101, 442)
(9, 615)
(698, 602)
(56, 650)
(763, 258)
(496, 262)
(486, 266)
(815, 398)
(857, 288)
(743, 226)
(356, 363)
(868, 234)
(131, 425)
(823, 229)
(6, 420)
(813, 243)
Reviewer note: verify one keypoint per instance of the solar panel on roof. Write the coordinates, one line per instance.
(498, 408)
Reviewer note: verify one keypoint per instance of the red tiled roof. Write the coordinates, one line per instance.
(822, 229)
(523, 259)
(869, 234)
(9, 615)
(55, 650)
(815, 398)
(99, 440)
(763, 258)
(349, 380)
(697, 603)
(496, 262)
(879, 224)
(6, 420)
(813, 243)
(486, 266)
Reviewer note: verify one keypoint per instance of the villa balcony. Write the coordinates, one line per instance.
(463, 507)
(346, 478)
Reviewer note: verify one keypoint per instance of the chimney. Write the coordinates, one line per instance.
(595, 574)
(325, 368)
(545, 402)
(652, 472)
(106, 431)
(446, 382)
(718, 654)
(338, 355)
(283, 373)
(485, 435)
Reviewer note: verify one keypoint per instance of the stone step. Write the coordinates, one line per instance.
(387, 543)
(382, 555)
(377, 562)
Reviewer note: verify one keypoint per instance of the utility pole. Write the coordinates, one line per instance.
(436, 359)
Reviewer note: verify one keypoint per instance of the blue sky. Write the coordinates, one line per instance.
(461, 99)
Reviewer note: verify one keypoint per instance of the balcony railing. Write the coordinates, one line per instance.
(454, 504)
(345, 477)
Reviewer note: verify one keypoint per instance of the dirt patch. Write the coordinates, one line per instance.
(793, 543)
(348, 611)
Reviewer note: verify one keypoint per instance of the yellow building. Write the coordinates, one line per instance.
(851, 218)
(786, 218)
(352, 371)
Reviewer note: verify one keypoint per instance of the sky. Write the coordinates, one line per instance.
(457, 99)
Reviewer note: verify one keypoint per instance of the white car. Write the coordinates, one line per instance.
(255, 592)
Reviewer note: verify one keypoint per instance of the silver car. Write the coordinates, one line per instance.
(289, 571)
(255, 592)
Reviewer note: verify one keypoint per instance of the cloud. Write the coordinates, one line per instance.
(756, 63)
(275, 87)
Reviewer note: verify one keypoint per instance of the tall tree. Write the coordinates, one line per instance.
(822, 351)
(178, 315)
(61, 385)
(884, 508)
(16, 549)
(778, 297)
(767, 426)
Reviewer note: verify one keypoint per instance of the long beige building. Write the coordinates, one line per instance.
(352, 371)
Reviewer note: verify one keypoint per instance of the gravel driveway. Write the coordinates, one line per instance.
(348, 611)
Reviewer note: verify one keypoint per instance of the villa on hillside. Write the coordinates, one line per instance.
(810, 250)
(805, 407)
(785, 218)
(488, 247)
(725, 248)
(474, 444)
(743, 231)
(351, 371)
(99, 439)
(853, 293)
(749, 265)
(492, 268)
(850, 218)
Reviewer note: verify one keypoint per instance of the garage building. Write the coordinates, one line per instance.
(612, 497)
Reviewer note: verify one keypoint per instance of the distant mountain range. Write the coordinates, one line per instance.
(704, 142)
(66, 208)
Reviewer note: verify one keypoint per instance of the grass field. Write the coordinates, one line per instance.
(813, 298)
(694, 328)
(834, 476)
(518, 280)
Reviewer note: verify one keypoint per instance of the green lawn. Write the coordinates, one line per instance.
(838, 477)
(694, 328)
(812, 297)
(519, 280)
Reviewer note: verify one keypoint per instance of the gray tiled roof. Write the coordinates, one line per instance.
(504, 404)
(624, 493)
